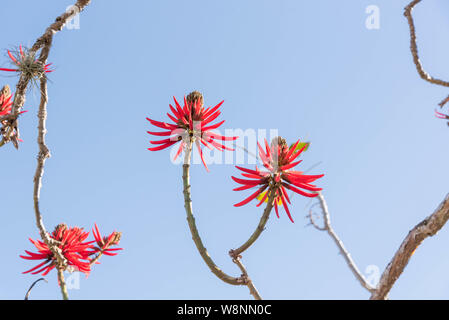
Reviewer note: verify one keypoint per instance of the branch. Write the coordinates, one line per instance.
(248, 281)
(193, 229)
(44, 43)
(427, 228)
(328, 228)
(414, 47)
(260, 227)
(244, 279)
(414, 50)
(43, 155)
(236, 253)
(62, 285)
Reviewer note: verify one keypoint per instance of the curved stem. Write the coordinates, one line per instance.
(414, 47)
(27, 295)
(344, 252)
(192, 225)
(260, 227)
(44, 154)
(44, 43)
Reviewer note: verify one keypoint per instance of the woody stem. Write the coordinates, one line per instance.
(62, 284)
(260, 227)
(192, 225)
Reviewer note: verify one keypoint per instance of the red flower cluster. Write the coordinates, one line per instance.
(19, 60)
(278, 160)
(191, 120)
(104, 243)
(71, 242)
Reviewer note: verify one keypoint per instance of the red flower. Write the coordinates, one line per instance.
(278, 160)
(191, 120)
(26, 60)
(70, 241)
(104, 243)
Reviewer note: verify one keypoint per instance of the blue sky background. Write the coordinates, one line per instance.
(307, 68)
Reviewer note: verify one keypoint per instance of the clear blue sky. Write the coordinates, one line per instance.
(307, 68)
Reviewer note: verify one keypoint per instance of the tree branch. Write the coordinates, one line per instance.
(249, 283)
(327, 227)
(234, 253)
(192, 225)
(45, 43)
(24, 80)
(414, 47)
(242, 280)
(427, 228)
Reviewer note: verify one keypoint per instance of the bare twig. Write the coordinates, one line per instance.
(443, 103)
(27, 296)
(249, 283)
(427, 228)
(43, 155)
(328, 228)
(414, 47)
(414, 50)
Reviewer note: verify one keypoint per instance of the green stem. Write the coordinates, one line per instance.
(260, 227)
(62, 284)
(192, 225)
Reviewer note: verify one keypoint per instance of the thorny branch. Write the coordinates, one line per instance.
(414, 50)
(327, 227)
(242, 280)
